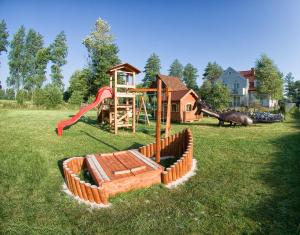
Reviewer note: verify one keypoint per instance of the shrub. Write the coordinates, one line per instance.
(76, 97)
(66, 95)
(2, 94)
(10, 94)
(21, 96)
(91, 99)
(39, 97)
(52, 96)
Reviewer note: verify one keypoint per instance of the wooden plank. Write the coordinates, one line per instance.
(125, 95)
(121, 172)
(143, 158)
(139, 168)
(99, 168)
(110, 164)
(128, 160)
(125, 86)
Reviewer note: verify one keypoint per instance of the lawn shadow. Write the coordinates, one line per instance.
(101, 141)
(60, 166)
(279, 211)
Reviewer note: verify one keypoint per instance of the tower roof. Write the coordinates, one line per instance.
(124, 67)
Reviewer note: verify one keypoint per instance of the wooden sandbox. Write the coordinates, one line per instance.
(123, 171)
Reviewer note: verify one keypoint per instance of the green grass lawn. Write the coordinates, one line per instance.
(248, 179)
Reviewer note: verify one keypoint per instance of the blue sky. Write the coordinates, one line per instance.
(232, 33)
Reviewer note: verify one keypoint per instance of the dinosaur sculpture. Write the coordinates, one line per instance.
(233, 117)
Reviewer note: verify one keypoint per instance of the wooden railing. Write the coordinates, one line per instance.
(83, 190)
(179, 145)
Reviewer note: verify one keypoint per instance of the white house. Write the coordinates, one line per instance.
(242, 85)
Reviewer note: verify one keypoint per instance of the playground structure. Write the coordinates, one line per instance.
(116, 104)
(123, 171)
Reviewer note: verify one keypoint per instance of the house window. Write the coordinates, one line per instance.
(236, 101)
(174, 108)
(188, 107)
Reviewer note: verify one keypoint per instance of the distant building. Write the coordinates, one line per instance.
(243, 85)
(182, 100)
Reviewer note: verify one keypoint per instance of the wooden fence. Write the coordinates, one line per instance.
(179, 145)
(83, 190)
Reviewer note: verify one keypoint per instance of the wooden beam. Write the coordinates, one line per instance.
(168, 121)
(158, 119)
(116, 102)
(147, 90)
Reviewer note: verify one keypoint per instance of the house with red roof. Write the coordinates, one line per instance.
(182, 100)
(242, 85)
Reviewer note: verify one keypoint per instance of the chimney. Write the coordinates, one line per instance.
(253, 71)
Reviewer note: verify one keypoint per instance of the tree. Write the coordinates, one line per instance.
(215, 94)
(78, 81)
(103, 54)
(176, 69)
(289, 86)
(3, 37)
(53, 96)
(212, 71)
(41, 61)
(269, 78)
(33, 43)
(151, 69)
(190, 76)
(297, 92)
(16, 59)
(58, 54)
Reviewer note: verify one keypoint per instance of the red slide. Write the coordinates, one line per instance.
(103, 93)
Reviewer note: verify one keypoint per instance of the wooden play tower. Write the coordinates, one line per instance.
(122, 111)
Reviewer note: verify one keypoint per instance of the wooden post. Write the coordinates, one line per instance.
(116, 102)
(133, 104)
(110, 81)
(158, 119)
(126, 99)
(168, 121)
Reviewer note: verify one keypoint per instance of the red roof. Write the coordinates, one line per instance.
(250, 76)
(178, 95)
(173, 83)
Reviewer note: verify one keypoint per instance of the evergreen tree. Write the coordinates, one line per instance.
(269, 78)
(152, 68)
(103, 54)
(289, 86)
(297, 92)
(16, 58)
(190, 76)
(176, 69)
(33, 43)
(58, 54)
(212, 71)
(3, 37)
